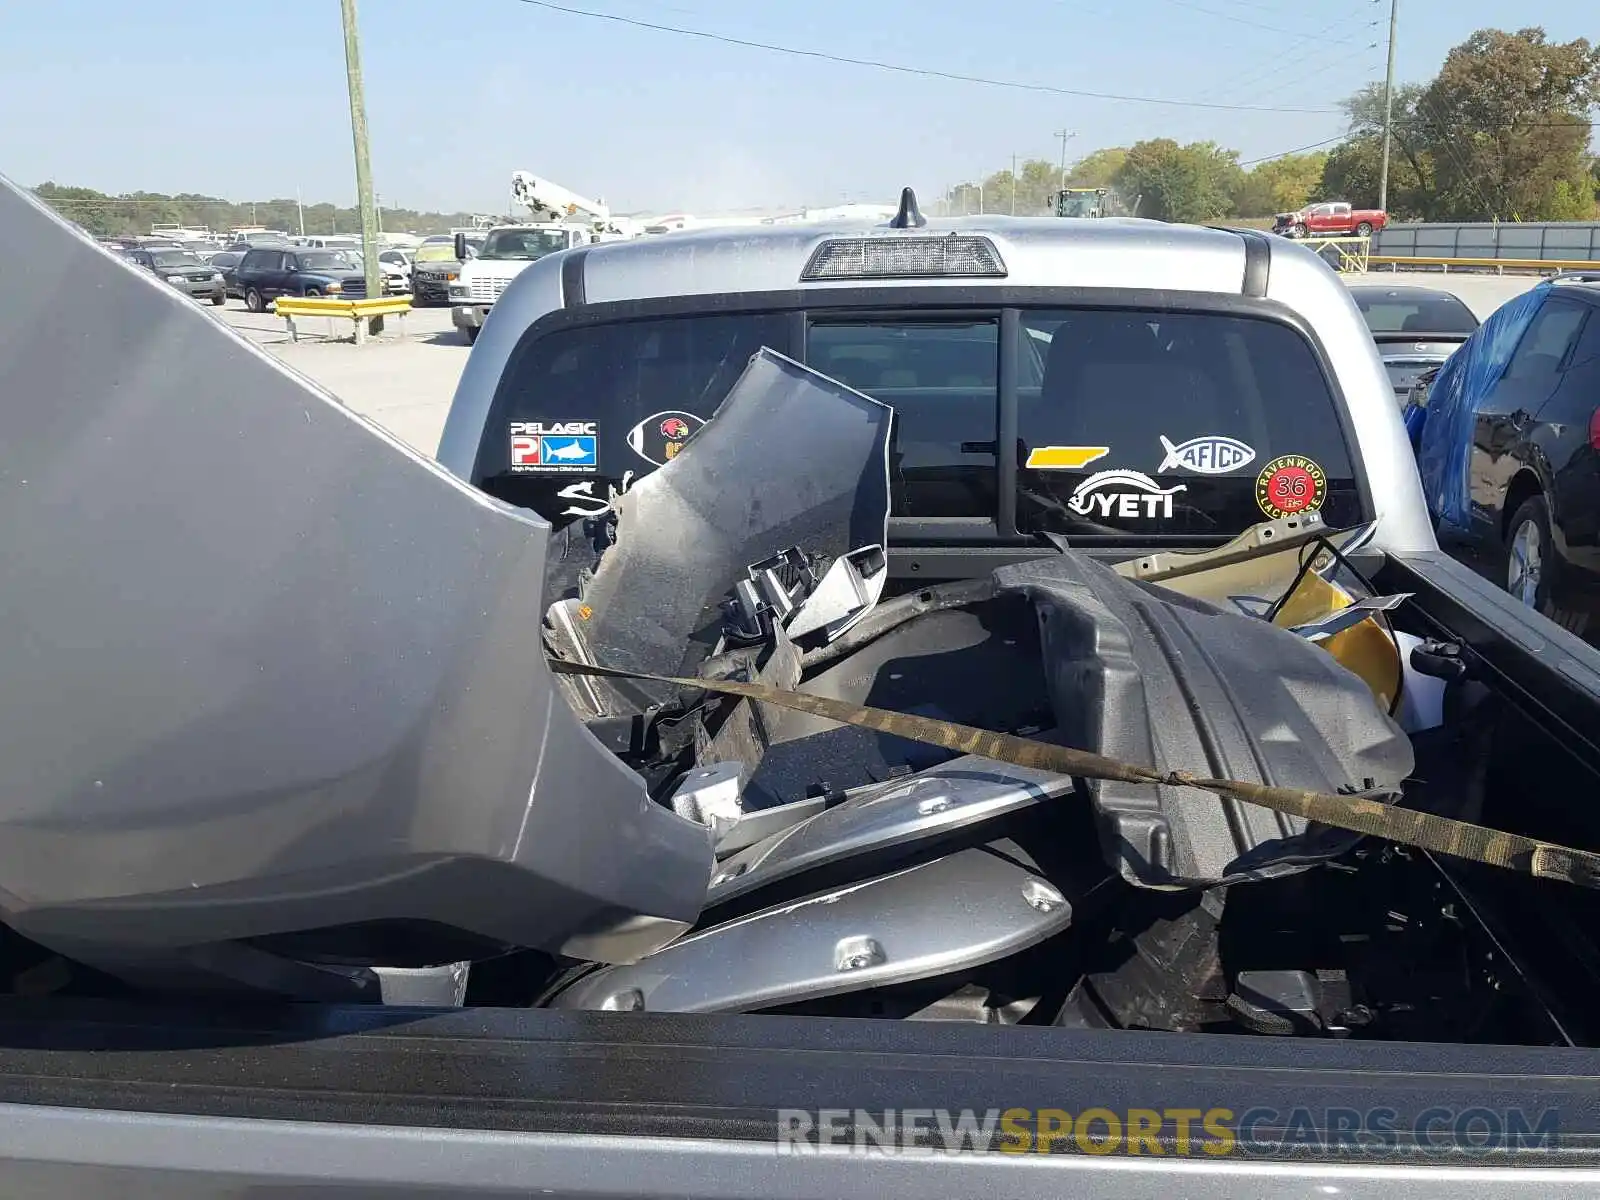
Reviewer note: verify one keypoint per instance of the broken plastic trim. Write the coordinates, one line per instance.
(1357, 813)
(689, 532)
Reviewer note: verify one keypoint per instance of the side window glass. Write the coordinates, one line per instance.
(1544, 346)
(1587, 352)
(592, 407)
(942, 377)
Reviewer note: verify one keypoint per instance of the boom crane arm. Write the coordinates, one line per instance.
(551, 202)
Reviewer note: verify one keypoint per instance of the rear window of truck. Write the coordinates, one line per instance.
(1132, 425)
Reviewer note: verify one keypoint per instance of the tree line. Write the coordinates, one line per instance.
(1502, 133)
(134, 213)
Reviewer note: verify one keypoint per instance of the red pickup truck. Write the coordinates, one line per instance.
(1332, 218)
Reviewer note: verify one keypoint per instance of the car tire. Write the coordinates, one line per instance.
(1364, 229)
(1297, 231)
(1529, 570)
(218, 299)
(253, 301)
(313, 292)
(471, 334)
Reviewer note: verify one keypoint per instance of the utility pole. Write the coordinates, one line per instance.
(1066, 135)
(1013, 185)
(1388, 110)
(358, 130)
(300, 207)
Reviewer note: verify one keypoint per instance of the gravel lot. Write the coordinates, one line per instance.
(405, 383)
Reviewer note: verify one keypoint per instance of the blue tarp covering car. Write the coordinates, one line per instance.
(1442, 432)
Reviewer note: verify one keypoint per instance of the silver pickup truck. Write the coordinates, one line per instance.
(332, 862)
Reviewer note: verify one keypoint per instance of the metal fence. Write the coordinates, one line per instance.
(1550, 241)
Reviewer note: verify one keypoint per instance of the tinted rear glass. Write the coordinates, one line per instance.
(942, 379)
(1157, 424)
(1390, 312)
(1132, 425)
(600, 403)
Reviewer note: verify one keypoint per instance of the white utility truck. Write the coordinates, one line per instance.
(559, 219)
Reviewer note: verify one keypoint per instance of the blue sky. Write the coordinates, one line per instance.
(247, 100)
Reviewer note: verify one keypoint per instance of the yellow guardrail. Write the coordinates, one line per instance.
(1499, 265)
(355, 311)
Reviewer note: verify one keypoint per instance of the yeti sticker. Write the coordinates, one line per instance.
(1124, 494)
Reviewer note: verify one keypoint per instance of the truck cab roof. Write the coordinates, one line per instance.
(982, 267)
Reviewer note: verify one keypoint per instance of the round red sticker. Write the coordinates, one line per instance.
(1289, 485)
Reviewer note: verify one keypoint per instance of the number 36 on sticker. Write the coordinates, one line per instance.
(1289, 485)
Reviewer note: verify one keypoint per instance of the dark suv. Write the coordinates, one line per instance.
(435, 267)
(182, 270)
(1510, 449)
(269, 272)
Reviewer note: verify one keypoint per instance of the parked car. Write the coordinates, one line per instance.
(395, 266)
(1508, 444)
(435, 267)
(182, 270)
(1333, 218)
(247, 241)
(269, 272)
(334, 241)
(227, 261)
(1415, 328)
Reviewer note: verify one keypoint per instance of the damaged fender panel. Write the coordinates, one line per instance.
(901, 812)
(973, 907)
(686, 533)
(267, 669)
(1148, 676)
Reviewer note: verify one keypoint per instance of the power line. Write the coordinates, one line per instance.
(1254, 162)
(1295, 53)
(1269, 9)
(1359, 52)
(1211, 12)
(900, 68)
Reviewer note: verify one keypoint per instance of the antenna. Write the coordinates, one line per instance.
(909, 216)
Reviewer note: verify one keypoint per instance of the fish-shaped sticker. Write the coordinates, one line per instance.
(572, 452)
(1209, 455)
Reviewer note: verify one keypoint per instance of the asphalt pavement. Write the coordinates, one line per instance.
(405, 379)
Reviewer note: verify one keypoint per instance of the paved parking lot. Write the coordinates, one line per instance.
(405, 383)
